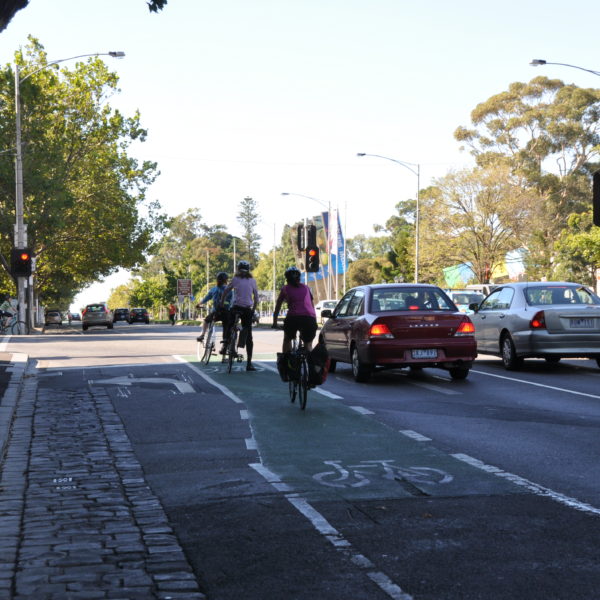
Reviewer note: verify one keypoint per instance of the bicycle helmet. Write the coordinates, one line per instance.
(243, 265)
(292, 275)
(222, 277)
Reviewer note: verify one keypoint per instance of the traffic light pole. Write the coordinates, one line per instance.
(20, 240)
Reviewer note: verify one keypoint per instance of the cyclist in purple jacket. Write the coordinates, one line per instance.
(301, 314)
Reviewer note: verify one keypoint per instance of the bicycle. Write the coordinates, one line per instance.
(299, 386)
(12, 325)
(205, 349)
(231, 353)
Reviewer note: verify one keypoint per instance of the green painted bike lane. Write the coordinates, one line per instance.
(332, 451)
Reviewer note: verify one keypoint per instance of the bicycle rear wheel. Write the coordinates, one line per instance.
(303, 383)
(232, 349)
(19, 328)
(209, 344)
(293, 386)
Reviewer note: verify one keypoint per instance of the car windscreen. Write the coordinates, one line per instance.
(410, 298)
(467, 298)
(541, 295)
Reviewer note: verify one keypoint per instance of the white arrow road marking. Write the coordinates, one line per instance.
(182, 386)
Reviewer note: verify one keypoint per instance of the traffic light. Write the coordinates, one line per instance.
(312, 259)
(20, 262)
(311, 236)
(300, 237)
(596, 198)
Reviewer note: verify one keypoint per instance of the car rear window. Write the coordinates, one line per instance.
(410, 298)
(559, 294)
(95, 308)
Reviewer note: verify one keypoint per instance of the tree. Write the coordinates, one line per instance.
(547, 133)
(248, 218)
(84, 197)
(476, 217)
(9, 8)
(284, 258)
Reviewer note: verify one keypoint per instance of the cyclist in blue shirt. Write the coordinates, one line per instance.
(216, 312)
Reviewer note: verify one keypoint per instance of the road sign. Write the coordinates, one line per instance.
(184, 287)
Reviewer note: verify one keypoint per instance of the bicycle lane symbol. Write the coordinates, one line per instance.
(366, 471)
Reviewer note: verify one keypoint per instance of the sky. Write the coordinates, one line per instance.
(259, 97)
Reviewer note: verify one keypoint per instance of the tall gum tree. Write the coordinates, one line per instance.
(85, 202)
(548, 133)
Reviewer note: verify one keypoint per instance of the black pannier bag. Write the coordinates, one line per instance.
(288, 366)
(318, 364)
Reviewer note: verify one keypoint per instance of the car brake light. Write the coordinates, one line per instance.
(380, 330)
(538, 321)
(465, 328)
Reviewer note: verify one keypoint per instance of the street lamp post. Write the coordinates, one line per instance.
(20, 228)
(416, 172)
(538, 62)
(328, 206)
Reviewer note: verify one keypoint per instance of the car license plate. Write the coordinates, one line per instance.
(425, 353)
(582, 323)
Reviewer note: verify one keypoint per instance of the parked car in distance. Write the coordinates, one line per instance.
(399, 325)
(322, 305)
(75, 316)
(463, 298)
(53, 317)
(139, 315)
(96, 314)
(121, 314)
(550, 320)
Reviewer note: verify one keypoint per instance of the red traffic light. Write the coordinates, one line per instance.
(312, 259)
(312, 252)
(24, 256)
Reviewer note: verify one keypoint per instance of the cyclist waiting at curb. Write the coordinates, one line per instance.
(7, 310)
(216, 313)
(301, 315)
(244, 303)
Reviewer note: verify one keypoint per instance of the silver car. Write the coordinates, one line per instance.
(97, 314)
(550, 320)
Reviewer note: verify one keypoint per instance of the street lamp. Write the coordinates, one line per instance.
(537, 62)
(20, 230)
(328, 206)
(416, 172)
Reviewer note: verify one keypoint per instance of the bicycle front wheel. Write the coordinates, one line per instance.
(209, 343)
(19, 328)
(303, 384)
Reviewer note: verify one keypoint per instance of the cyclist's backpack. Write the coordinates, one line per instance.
(318, 364)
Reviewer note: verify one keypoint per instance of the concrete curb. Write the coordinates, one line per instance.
(9, 401)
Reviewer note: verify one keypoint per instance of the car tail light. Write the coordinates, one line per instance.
(380, 330)
(466, 328)
(83, 311)
(538, 321)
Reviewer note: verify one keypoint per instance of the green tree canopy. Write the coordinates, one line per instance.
(85, 202)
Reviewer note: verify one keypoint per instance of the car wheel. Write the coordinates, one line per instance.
(333, 365)
(110, 326)
(459, 373)
(509, 355)
(598, 361)
(360, 370)
(84, 327)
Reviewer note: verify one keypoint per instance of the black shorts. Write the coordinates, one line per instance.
(221, 314)
(307, 326)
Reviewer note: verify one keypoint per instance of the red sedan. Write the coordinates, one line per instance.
(399, 325)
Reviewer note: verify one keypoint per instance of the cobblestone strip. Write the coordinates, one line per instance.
(90, 527)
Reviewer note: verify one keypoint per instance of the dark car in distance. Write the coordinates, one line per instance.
(139, 315)
(121, 314)
(399, 325)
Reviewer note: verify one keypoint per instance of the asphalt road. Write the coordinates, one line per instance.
(410, 486)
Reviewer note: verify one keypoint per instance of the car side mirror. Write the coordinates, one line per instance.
(474, 306)
(327, 313)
